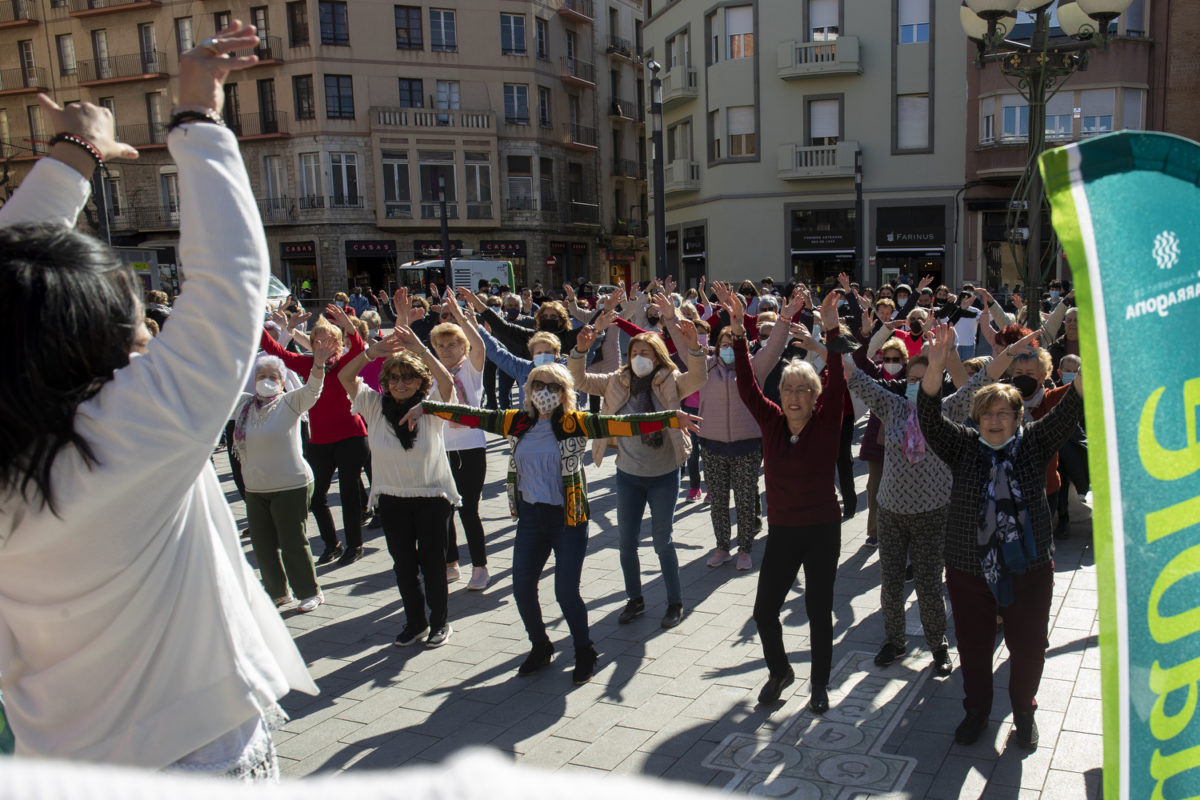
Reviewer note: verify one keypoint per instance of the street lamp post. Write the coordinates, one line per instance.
(660, 200)
(1036, 68)
(445, 227)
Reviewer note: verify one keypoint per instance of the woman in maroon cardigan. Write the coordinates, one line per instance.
(804, 521)
(338, 438)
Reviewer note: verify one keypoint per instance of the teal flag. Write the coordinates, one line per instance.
(1127, 209)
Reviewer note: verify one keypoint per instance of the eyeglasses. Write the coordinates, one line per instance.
(537, 386)
(999, 416)
(893, 360)
(400, 377)
(783, 390)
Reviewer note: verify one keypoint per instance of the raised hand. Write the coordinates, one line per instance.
(1026, 345)
(1018, 303)
(633, 290)
(403, 338)
(722, 290)
(472, 299)
(298, 319)
(324, 349)
(687, 330)
(670, 284)
(94, 124)
(689, 423)
(585, 338)
(204, 68)
(279, 318)
(569, 292)
(939, 344)
(737, 314)
(844, 281)
(339, 318)
(615, 299)
(829, 314)
(925, 281)
(603, 321)
(803, 336)
(664, 305)
(987, 297)
(868, 320)
(795, 305)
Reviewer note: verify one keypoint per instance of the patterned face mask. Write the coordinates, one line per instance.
(545, 401)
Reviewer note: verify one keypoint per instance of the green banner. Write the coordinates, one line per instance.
(1127, 209)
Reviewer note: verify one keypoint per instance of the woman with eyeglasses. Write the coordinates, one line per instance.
(999, 545)
(411, 479)
(547, 493)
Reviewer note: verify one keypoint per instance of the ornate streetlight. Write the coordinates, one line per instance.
(660, 200)
(1036, 68)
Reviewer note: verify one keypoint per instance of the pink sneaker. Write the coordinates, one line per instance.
(693, 495)
(743, 560)
(719, 556)
(706, 497)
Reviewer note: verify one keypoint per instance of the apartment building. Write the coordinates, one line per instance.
(356, 118)
(1139, 81)
(768, 106)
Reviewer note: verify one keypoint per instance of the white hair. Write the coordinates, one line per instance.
(799, 368)
(274, 362)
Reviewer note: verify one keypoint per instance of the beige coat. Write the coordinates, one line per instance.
(670, 387)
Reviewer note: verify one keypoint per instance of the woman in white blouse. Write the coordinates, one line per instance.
(410, 476)
(279, 482)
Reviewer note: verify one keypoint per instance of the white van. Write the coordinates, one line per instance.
(468, 272)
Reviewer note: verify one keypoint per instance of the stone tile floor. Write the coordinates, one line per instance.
(680, 704)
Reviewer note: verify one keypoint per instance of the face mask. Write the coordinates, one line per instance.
(266, 388)
(727, 355)
(915, 327)
(551, 325)
(910, 392)
(545, 401)
(653, 320)
(542, 359)
(512, 313)
(1054, 293)
(901, 299)
(892, 368)
(1026, 385)
(340, 304)
(641, 366)
(1068, 377)
(1000, 446)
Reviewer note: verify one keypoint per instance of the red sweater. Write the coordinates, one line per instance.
(330, 419)
(799, 476)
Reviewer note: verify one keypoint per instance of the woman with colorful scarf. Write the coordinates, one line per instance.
(998, 538)
(547, 493)
(279, 482)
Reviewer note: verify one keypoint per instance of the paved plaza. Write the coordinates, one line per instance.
(680, 704)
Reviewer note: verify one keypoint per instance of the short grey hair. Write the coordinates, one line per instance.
(767, 304)
(802, 370)
(371, 317)
(274, 362)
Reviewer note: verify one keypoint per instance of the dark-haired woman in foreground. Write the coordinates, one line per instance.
(132, 630)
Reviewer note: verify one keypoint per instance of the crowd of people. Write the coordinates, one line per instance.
(140, 607)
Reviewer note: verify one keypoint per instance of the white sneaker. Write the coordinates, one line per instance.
(479, 579)
(310, 603)
(453, 573)
(286, 600)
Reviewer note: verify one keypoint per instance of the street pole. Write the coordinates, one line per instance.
(101, 206)
(660, 199)
(859, 271)
(1035, 196)
(445, 227)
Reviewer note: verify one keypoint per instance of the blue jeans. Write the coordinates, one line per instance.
(633, 492)
(966, 351)
(542, 528)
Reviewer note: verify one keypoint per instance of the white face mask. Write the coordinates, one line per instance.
(545, 401)
(541, 359)
(1000, 446)
(641, 366)
(266, 388)
(892, 368)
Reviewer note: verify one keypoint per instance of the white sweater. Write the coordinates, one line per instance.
(274, 461)
(132, 630)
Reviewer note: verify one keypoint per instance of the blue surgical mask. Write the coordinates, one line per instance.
(339, 304)
(1000, 446)
(726, 354)
(911, 391)
(1054, 294)
(1068, 377)
(542, 359)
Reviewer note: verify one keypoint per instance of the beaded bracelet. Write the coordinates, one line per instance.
(181, 117)
(71, 138)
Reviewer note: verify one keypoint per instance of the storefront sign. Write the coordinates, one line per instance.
(672, 239)
(371, 247)
(425, 248)
(504, 248)
(822, 240)
(913, 227)
(298, 249)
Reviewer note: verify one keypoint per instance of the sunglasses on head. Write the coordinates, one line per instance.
(537, 386)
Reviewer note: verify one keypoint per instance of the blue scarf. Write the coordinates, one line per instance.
(1005, 537)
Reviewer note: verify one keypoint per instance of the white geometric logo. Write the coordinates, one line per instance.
(1166, 250)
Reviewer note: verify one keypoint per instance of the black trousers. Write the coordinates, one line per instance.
(235, 466)
(469, 468)
(348, 457)
(504, 385)
(845, 468)
(489, 385)
(414, 528)
(816, 548)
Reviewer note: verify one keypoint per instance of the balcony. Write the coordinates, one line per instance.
(120, 69)
(521, 203)
(479, 209)
(259, 126)
(580, 137)
(577, 10)
(635, 228)
(578, 213)
(578, 73)
(622, 48)
(621, 109)
(433, 210)
(345, 201)
(679, 86)
(17, 14)
(798, 163)
(144, 218)
(143, 137)
(681, 175)
(625, 168)
(22, 80)
(275, 210)
(443, 120)
(806, 59)
(269, 51)
(94, 8)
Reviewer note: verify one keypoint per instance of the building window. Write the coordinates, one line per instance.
(408, 28)
(822, 20)
(310, 181)
(447, 98)
(1015, 120)
(221, 20)
(678, 51)
(987, 120)
(335, 27)
(516, 104)
(154, 117)
(297, 21)
(274, 181)
(169, 182)
(113, 196)
(433, 166)
(541, 38)
(397, 198)
(679, 141)
(6, 148)
(912, 122)
(302, 96)
(148, 44)
(1098, 110)
(443, 36)
(111, 104)
(714, 135)
(824, 123)
(343, 181)
(184, 38)
(339, 97)
(544, 119)
(411, 93)
(512, 34)
(66, 54)
(1131, 109)
(479, 186)
(740, 121)
(546, 183)
(914, 21)
(231, 111)
(520, 184)
(739, 32)
(1059, 116)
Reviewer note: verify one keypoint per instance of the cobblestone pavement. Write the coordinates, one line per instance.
(680, 704)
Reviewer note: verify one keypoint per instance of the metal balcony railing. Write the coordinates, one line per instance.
(22, 78)
(581, 213)
(633, 227)
(581, 135)
(619, 46)
(345, 201)
(583, 10)
(269, 48)
(142, 135)
(622, 108)
(434, 210)
(134, 65)
(522, 204)
(277, 209)
(798, 162)
(78, 6)
(258, 124)
(625, 168)
(17, 11)
(578, 71)
(311, 202)
(422, 118)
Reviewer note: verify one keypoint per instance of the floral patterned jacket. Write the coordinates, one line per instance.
(572, 429)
